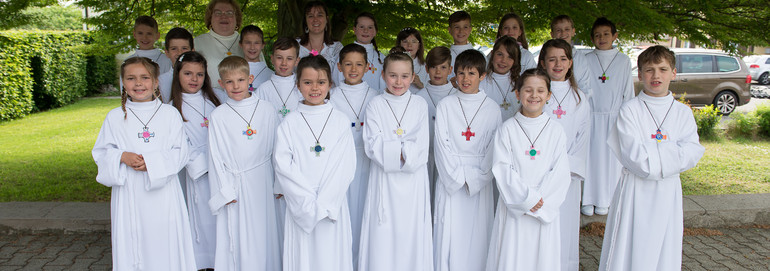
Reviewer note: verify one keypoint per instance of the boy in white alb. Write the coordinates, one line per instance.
(252, 42)
(465, 127)
(562, 27)
(365, 28)
(281, 90)
(146, 34)
(241, 136)
(178, 41)
(610, 72)
(460, 29)
(655, 138)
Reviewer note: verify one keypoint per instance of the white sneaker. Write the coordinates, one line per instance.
(587, 210)
(602, 210)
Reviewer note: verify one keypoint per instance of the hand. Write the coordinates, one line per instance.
(133, 160)
(279, 196)
(234, 201)
(417, 83)
(537, 206)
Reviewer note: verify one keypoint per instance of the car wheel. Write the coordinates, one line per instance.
(725, 102)
(764, 79)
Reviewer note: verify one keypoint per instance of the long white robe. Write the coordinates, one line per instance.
(373, 74)
(317, 234)
(644, 226)
(330, 52)
(420, 71)
(354, 107)
(203, 223)
(606, 99)
(464, 202)
(575, 118)
(581, 72)
(241, 169)
(261, 73)
(433, 95)
(164, 84)
(522, 240)
(214, 48)
(499, 88)
(527, 59)
(396, 230)
(150, 228)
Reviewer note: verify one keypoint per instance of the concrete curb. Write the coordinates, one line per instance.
(699, 212)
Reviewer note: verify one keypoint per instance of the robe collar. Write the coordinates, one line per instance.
(478, 96)
(501, 79)
(316, 109)
(151, 105)
(196, 96)
(363, 86)
(258, 64)
(291, 79)
(539, 120)
(559, 87)
(369, 47)
(460, 48)
(606, 53)
(220, 37)
(440, 90)
(398, 99)
(656, 100)
(245, 102)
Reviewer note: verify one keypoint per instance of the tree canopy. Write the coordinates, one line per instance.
(725, 24)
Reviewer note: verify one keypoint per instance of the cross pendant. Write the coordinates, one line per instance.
(358, 124)
(205, 122)
(284, 111)
(468, 134)
(559, 112)
(249, 132)
(400, 132)
(659, 136)
(604, 78)
(532, 152)
(317, 149)
(146, 135)
(505, 105)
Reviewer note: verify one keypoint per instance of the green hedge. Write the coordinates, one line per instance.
(40, 70)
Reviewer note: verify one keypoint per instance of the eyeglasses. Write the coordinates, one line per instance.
(219, 13)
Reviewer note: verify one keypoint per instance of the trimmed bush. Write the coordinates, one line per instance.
(743, 125)
(763, 115)
(102, 71)
(707, 119)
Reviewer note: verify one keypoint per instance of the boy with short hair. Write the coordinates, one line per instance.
(610, 72)
(466, 122)
(562, 27)
(460, 29)
(656, 139)
(146, 34)
(281, 90)
(242, 181)
(178, 41)
(252, 42)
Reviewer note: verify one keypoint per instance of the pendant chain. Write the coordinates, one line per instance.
(532, 143)
(317, 138)
(468, 124)
(148, 121)
(402, 114)
(248, 123)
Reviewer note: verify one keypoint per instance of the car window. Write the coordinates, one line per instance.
(696, 63)
(767, 61)
(727, 64)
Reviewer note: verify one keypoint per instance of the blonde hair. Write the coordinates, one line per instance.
(151, 67)
(233, 64)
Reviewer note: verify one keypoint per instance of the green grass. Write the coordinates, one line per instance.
(47, 157)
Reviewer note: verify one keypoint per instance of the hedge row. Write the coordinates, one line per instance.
(40, 70)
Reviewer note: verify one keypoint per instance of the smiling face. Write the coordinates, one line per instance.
(468, 80)
(353, 67)
(145, 36)
(191, 77)
(398, 76)
(502, 62)
(284, 61)
(365, 30)
(252, 46)
(556, 64)
(510, 28)
(316, 20)
(177, 47)
(314, 86)
(139, 83)
(439, 74)
(236, 83)
(533, 94)
(411, 44)
(563, 30)
(460, 31)
(603, 37)
(656, 78)
(223, 19)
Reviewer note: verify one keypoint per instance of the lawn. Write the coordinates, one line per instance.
(47, 157)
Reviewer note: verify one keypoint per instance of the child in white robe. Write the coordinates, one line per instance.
(365, 28)
(569, 107)
(503, 73)
(192, 95)
(655, 138)
(252, 42)
(531, 169)
(140, 148)
(396, 230)
(241, 137)
(411, 40)
(465, 126)
(562, 27)
(315, 162)
(512, 25)
(178, 41)
(351, 97)
(610, 72)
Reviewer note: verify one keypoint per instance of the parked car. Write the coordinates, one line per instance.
(709, 77)
(759, 68)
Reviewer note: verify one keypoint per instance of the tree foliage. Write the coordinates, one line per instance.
(54, 17)
(713, 23)
(12, 15)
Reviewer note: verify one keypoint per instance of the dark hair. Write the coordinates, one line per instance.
(178, 33)
(176, 85)
(603, 21)
(236, 9)
(305, 37)
(146, 20)
(252, 29)
(459, 16)
(286, 43)
(656, 54)
(562, 18)
(512, 48)
(533, 73)
(523, 37)
(437, 56)
(471, 59)
(397, 53)
(352, 48)
(374, 39)
(564, 45)
(318, 63)
(405, 33)
(151, 67)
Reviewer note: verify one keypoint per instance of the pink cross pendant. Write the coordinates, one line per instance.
(559, 112)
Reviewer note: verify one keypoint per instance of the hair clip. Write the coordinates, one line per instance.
(314, 52)
(181, 57)
(407, 29)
